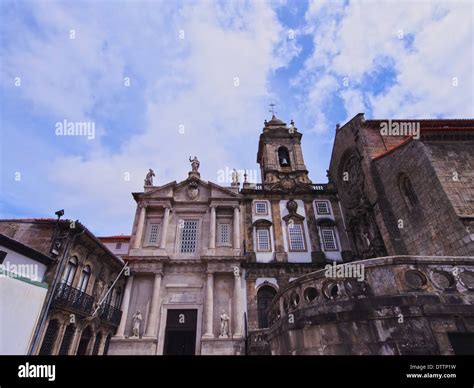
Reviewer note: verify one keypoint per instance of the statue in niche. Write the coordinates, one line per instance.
(136, 319)
(194, 164)
(224, 325)
(149, 177)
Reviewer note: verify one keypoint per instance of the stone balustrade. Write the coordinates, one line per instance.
(388, 305)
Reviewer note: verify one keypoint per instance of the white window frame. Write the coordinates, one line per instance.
(261, 203)
(269, 237)
(70, 272)
(328, 206)
(323, 243)
(292, 226)
(84, 279)
(180, 236)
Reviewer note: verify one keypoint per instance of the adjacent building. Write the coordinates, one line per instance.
(22, 293)
(81, 308)
(406, 186)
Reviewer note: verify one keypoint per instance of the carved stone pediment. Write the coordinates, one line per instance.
(192, 191)
(262, 223)
(292, 207)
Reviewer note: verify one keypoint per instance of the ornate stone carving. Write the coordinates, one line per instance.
(149, 177)
(224, 325)
(235, 177)
(136, 320)
(415, 279)
(192, 190)
(194, 164)
(442, 280)
(352, 182)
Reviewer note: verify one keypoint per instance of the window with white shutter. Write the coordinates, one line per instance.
(261, 207)
(188, 236)
(296, 237)
(329, 239)
(322, 207)
(153, 233)
(263, 240)
(223, 234)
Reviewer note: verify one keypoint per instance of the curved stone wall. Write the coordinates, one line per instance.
(395, 305)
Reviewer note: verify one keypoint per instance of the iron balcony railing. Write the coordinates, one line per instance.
(70, 297)
(110, 314)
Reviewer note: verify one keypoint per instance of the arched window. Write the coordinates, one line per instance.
(84, 342)
(110, 294)
(49, 338)
(67, 339)
(118, 298)
(283, 157)
(98, 340)
(265, 296)
(70, 271)
(84, 280)
(407, 191)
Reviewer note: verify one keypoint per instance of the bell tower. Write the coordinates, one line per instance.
(280, 155)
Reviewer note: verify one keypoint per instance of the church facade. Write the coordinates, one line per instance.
(242, 269)
(186, 293)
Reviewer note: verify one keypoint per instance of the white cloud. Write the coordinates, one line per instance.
(190, 82)
(357, 39)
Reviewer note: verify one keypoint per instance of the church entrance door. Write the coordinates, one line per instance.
(180, 334)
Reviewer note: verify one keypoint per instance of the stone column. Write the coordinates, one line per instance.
(280, 254)
(140, 227)
(210, 306)
(125, 306)
(164, 229)
(252, 312)
(102, 344)
(154, 308)
(236, 227)
(212, 232)
(75, 341)
(238, 316)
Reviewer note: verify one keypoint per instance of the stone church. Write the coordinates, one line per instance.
(243, 269)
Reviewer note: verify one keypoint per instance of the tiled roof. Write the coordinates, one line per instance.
(380, 146)
(114, 237)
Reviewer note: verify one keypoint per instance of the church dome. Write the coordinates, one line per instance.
(275, 122)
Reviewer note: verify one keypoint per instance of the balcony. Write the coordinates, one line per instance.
(73, 299)
(266, 186)
(110, 314)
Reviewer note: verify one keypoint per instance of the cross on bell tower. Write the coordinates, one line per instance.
(272, 109)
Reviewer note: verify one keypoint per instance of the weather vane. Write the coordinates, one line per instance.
(272, 109)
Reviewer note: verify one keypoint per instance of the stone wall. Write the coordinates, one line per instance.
(432, 226)
(405, 305)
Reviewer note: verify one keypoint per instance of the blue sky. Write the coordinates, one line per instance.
(201, 75)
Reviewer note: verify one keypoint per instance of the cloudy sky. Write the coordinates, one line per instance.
(163, 80)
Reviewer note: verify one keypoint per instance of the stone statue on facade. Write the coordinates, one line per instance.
(224, 325)
(136, 319)
(149, 177)
(194, 164)
(235, 177)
